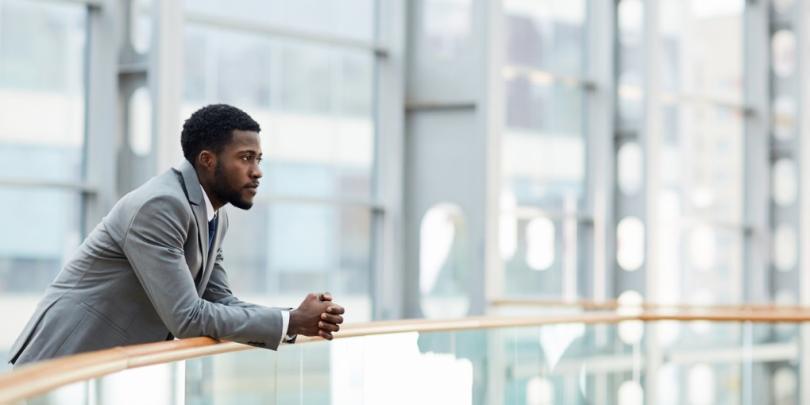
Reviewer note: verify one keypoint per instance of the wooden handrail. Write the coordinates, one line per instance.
(39, 378)
(614, 304)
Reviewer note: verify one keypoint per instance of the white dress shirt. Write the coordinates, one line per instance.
(285, 314)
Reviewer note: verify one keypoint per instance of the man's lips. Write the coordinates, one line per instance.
(252, 187)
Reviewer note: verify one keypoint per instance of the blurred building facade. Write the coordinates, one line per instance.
(424, 158)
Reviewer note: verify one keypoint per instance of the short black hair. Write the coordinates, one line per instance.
(211, 128)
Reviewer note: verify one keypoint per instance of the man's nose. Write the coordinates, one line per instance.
(256, 173)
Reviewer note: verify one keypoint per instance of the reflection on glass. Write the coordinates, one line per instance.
(712, 275)
(783, 6)
(446, 27)
(41, 234)
(508, 225)
(630, 21)
(549, 364)
(545, 256)
(702, 47)
(543, 150)
(630, 393)
(630, 168)
(785, 252)
(443, 262)
(275, 253)
(784, 182)
(783, 53)
(546, 35)
(42, 90)
(630, 243)
(702, 158)
(702, 248)
(313, 103)
(784, 118)
(140, 122)
(630, 332)
(539, 391)
(540, 243)
(701, 383)
(785, 384)
(141, 25)
(342, 18)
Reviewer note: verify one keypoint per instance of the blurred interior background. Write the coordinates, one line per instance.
(428, 158)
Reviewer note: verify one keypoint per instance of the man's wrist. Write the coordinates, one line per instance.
(292, 327)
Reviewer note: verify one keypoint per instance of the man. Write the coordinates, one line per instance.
(152, 269)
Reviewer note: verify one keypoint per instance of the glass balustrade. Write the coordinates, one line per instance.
(625, 363)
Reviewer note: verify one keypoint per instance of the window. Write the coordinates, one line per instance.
(310, 228)
(543, 146)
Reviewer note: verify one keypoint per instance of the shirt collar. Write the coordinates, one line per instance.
(209, 209)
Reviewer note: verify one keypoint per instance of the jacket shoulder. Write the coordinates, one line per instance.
(160, 196)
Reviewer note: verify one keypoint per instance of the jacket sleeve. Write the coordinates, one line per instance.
(218, 289)
(153, 244)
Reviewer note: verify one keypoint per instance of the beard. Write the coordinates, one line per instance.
(227, 193)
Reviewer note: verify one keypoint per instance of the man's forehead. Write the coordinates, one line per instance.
(245, 141)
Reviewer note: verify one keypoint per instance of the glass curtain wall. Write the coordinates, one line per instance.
(681, 150)
(310, 229)
(42, 133)
(543, 158)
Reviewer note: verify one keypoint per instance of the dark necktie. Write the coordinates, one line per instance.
(212, 230)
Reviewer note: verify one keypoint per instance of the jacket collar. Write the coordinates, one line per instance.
(192, 183)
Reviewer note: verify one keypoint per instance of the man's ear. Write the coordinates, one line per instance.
(207, 160)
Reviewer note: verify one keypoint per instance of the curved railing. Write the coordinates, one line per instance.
(36, 379)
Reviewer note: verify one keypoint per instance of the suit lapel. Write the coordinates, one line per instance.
(195, 197)
(208, 265)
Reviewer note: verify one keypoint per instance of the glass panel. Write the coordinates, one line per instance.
(41, 234)
(543, 150)
(277, 252)
(630, 56)
(630, 167)
(544, 260)
(702, 47)
(444, 256)
(701, 161)
(313, 103)
(572, 363)
(546, 35)
(630, 243)
(783, 53)
(702, 267)
(785, 247)
(784, 182)
(342, 18)
(42, 65)
(784, 118)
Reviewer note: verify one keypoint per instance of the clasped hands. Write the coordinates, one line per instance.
(316, 316)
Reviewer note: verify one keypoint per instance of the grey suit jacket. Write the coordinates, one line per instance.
(133, 280)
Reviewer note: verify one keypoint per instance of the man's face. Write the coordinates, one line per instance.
(237, 173)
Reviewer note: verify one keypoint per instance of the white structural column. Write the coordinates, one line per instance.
(756, 283)
(388, 239)
(102, 114)
(803, 123)
(599, 126)
(651, 145)
(165, 78)
(447, 143)
(493, 112)
(756, 146)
